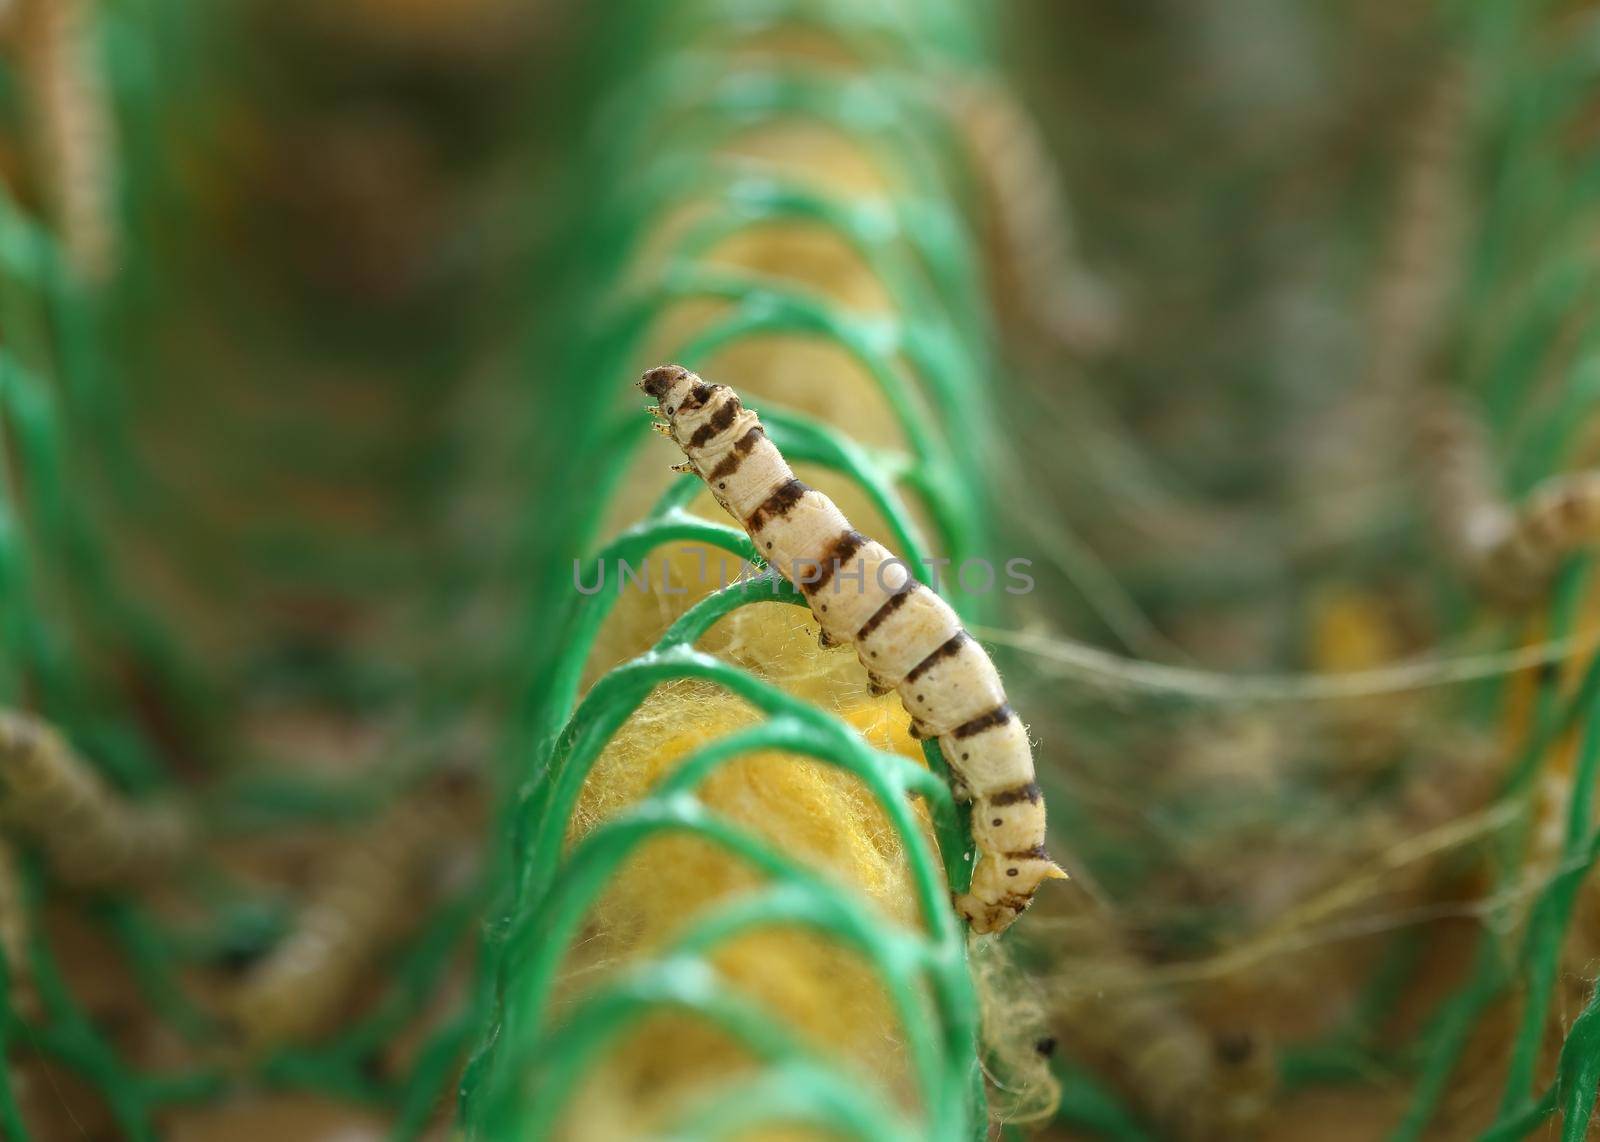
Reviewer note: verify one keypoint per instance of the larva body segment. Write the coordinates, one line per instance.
(907, 637)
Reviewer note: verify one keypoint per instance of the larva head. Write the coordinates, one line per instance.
(699, 415)
(1002, 888)
(671, 385)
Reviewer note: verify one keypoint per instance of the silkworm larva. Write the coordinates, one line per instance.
(907, 637)
(75, 131)
(1511, 552)
(1116, 1016)
(1034, 260)
(91, 837)
(362, 905)
(1419, 269)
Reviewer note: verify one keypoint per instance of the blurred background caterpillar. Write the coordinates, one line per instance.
(1041, 286)
(91, 836)
(1113, 1013)
(74, 133)
(1511, 552)
(379, 887)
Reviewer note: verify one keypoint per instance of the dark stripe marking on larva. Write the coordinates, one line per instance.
(698, 396)
(998, 716)
(729, 464)
(890, 605)
(716, 423)
(1035, 853)
(777, 505)
(946, 649)
(839, 552)
(1029, 793)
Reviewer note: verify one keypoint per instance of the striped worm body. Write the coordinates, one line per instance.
(1511, 552)
(1036, 265)
(372, 893)
(76, 136)
(907, 637)
(1116, 1014)
(1559, 517)
(91, 836)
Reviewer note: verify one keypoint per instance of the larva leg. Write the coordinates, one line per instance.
(91, 836)
(907, 638)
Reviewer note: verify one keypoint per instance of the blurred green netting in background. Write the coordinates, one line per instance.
(92, 659)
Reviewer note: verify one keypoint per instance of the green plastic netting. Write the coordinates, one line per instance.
(653, 145)
(60, 606)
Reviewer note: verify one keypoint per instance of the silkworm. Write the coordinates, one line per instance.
(1511, 552)
(91, 836)
(363, 904)
(1421, 258)
(1116, 1016)
(1030, 236)
(906, 636)
(75, 131)
(1420, 261)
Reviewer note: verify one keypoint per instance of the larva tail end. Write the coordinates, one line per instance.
(658, 382)
(1002, 888)
(983, 917)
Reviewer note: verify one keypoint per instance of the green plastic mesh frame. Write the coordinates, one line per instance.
(931, 362)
